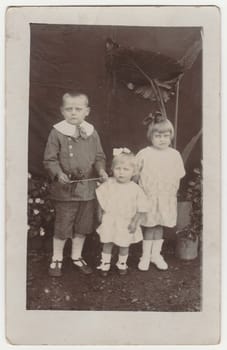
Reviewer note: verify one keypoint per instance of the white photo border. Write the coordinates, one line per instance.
(102, 327)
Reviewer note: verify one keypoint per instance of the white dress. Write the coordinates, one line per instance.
(120, 202)
(160, 172)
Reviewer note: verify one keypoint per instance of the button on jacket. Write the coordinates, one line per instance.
(81, 157)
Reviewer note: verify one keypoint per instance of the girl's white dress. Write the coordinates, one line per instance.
(160, 172)
(120, 202)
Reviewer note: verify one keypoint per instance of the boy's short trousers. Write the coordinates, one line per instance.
(73, 217)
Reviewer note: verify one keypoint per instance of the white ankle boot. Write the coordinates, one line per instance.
(156, 258)
(145, 258)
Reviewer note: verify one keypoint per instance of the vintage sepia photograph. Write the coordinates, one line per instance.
(116, 172)
(136, 94)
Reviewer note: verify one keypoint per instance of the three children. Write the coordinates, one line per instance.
(74, 158)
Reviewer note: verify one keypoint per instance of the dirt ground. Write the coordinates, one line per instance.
(177, 289)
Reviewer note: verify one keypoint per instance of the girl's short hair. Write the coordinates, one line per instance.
(124, 157)
(161, 126)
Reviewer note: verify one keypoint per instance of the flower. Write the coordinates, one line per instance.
(40, 208)
(42, 232)
(36, 211)
(130, 86)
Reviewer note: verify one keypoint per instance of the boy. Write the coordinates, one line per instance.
(73, 152)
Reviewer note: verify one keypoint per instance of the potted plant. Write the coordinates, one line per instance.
(184, 203)
(189, 235)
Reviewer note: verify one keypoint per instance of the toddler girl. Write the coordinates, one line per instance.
(122, 203)
(160, 170)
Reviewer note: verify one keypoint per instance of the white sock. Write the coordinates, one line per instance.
(122, 259)
(105, 262)
(106, 257)
(58, 246)
(121, 264)
(77, 247)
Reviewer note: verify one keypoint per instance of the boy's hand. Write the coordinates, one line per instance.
(103, 174)
(63, 178)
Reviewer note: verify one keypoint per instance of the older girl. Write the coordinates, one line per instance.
(160, 170)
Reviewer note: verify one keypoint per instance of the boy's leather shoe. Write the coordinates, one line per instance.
(82, 266)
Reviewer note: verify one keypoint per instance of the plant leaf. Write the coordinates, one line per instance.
(189, 147)
(191, 54)
(123, 61)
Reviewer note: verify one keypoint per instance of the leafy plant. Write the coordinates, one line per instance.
(194, 194)
(149, 74)
(152, 75)
(40, 209)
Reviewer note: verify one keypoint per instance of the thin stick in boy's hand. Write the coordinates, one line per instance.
(81, 180)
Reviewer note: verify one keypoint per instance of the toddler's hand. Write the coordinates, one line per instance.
(63, 178)
(132, 227)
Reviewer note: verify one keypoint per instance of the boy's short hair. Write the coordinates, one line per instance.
(75, 93)
(162, 126)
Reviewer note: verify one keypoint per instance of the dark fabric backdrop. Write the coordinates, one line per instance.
(72, 56)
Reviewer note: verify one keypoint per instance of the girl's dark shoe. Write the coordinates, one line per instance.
(122, 268)
(104, 268)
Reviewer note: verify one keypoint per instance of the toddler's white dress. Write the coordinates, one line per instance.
(160, 173)
(120, 202)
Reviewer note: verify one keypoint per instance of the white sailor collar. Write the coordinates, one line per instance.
(69, 130)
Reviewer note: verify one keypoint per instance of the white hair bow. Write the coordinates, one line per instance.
(118, 151)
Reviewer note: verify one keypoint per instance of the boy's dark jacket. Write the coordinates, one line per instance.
(78, 158)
